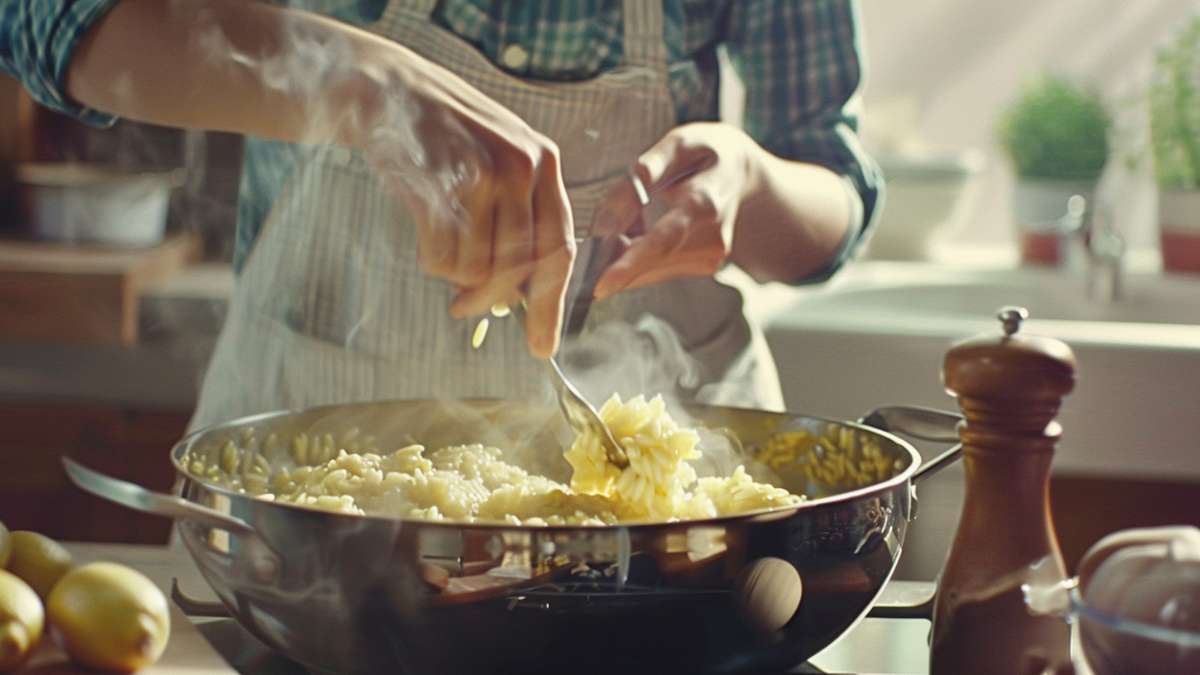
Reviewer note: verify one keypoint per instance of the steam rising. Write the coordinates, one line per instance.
(631, 360)
(317, 69)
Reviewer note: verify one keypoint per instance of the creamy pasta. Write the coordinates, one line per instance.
(475, 483)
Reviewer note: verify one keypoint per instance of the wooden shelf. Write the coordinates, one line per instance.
(82, 294)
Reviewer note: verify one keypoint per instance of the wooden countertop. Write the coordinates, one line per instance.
(187, 651)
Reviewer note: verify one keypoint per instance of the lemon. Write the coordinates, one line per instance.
(5, 546)
(110, 617)
(38, 560)
(21, 621)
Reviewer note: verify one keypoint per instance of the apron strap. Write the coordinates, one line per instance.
(414, 8)
(424, 7)
(645, 44)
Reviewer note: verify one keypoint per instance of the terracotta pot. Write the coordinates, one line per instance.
(1038, 206)
(1179, 226)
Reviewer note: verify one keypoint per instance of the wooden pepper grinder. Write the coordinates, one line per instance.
(1009, 388)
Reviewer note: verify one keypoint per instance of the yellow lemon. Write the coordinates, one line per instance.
(5, 546)
(21, 621)
(38, 560)
(110, 617)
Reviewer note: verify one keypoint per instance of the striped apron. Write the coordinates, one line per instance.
(333, 307)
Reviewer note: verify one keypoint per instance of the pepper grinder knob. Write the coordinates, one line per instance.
(1012, 383)
(1011, 318)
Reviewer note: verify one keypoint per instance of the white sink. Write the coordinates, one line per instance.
(1047, 296)
(879, 332)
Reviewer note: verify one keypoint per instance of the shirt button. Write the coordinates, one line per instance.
(515, 57)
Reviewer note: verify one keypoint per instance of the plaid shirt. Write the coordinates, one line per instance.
(37, 38)
(799, 61)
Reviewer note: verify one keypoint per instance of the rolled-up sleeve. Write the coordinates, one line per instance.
(801, 63)
(37, 41)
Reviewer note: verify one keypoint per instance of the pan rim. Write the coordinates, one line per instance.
(904, 477)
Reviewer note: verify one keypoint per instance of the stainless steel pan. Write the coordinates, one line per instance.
(346, 594)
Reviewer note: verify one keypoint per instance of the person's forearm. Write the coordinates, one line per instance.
(469, 171)
(230, 65)
(794, 223)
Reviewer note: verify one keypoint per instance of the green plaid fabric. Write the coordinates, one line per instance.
(799, 60)
(37, 38)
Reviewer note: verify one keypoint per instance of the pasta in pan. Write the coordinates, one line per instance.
(474, 483)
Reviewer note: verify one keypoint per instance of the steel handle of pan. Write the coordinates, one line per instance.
(914, 599)
(263, 558)
(139, 498)
(925, 424)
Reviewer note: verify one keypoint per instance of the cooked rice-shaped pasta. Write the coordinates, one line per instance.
(475, 483)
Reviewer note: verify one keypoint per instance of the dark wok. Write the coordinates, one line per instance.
(344, 593)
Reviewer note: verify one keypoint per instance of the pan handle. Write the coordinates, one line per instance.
(927, 424)
(905, 600)
(915, 599)
(908, 599)
(938, 463)
(139, 498)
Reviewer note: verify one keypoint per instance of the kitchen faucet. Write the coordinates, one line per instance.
(1103, 247)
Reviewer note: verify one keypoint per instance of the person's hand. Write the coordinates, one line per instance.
(486, 190)
(703, 172)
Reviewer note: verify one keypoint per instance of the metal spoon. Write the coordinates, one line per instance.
(580, 414)
(583, 417)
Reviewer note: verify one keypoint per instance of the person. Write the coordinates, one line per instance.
(408, 156)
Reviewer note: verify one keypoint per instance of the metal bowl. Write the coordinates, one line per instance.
(763, 590)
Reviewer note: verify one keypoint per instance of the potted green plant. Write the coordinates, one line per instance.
(1175, 136)
(1056, 134)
